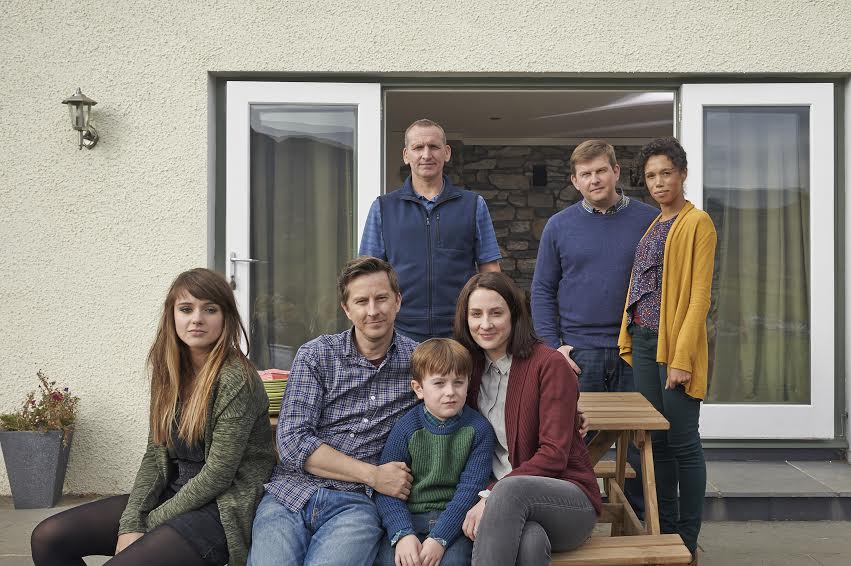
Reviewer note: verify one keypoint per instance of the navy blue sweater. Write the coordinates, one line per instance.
(450, 462)
(582, 274)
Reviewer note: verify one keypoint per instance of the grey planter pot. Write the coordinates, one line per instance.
(35, 464)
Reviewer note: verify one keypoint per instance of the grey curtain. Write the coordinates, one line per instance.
(756, 189)
(302, 214)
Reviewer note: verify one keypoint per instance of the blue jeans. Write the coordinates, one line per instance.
(677, 452)
(334, 527)
(604, 370)
(459, 553)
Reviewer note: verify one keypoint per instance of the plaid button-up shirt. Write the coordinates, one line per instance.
(335, 396)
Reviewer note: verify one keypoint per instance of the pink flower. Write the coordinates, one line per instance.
(56, 396)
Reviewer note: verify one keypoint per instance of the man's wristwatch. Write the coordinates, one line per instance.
(484, 493)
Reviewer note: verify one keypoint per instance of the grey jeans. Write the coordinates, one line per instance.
(528, 517)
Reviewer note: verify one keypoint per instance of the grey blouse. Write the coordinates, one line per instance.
(492, 406)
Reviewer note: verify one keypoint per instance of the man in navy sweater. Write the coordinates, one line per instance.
(582, 274)
(435, 235)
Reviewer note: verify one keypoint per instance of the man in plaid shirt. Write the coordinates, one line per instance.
(344, 393)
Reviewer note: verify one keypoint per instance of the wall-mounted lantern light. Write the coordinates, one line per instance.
(80, 107)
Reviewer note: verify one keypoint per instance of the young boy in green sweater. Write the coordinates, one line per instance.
(448, 447)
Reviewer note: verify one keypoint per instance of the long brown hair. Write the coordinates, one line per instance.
(170, 363)
(522, 337)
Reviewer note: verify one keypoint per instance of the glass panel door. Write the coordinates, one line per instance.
(298, 190)
(758, 155)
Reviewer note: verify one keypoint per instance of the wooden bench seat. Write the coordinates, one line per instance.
(626, 551)
(606, 469)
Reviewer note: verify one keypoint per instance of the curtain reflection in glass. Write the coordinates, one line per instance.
(302, 225)
(756, 189)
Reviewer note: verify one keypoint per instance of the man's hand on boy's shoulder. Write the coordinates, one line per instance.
(431, 552)
(408, 551)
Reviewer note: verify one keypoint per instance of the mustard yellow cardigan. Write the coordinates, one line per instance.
(686, 284)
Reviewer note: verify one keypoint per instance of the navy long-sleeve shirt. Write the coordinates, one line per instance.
(450, 462)
(582, 274)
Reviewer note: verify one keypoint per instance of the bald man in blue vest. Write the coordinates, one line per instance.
(434, 234)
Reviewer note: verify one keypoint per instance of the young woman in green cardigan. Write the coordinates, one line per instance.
(663, 334)
(209, 448)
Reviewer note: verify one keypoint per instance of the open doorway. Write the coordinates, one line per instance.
(513, 148)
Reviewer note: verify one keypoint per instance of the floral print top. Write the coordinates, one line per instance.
(645, 293)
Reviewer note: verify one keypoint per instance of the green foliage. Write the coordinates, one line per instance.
(55, 410)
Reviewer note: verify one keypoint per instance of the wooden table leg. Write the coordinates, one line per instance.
(600, 444)
(631, 524)
(620, 468)
(651, 505)
(620, 476)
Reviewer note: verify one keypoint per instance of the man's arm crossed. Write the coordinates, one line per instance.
(302, 450)
(545, 283)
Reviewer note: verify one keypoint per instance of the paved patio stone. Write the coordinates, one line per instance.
(835, 475)
(764, 479)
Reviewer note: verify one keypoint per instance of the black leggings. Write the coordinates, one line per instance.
(92, 529)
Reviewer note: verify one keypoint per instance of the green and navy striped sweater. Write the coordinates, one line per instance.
(450, 461)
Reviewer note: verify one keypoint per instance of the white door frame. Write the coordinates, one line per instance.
(240, 96)
(756, 421)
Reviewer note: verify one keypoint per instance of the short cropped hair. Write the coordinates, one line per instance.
(668, 147)
(364, 265)
(592, 149)
(440, 356)
(425, 123)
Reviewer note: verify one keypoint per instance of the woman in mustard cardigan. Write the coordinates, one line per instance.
(663, 334)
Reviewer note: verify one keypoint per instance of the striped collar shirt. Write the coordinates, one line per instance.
(622, 203)
(335, 396)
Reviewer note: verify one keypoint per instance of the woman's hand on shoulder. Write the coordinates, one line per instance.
(582, 422)
(677, 376)
(473, 519)
(126, 540)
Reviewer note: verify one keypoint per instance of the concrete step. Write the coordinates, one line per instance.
(777, 491)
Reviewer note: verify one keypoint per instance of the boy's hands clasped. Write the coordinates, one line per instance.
(411, 552)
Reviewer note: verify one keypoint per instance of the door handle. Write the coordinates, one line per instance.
(234, 260)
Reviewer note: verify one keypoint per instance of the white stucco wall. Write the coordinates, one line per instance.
(91, 239)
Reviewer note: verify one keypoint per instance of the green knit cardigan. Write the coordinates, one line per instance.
(238, 459)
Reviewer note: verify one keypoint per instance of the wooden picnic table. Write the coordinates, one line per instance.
(619, 418)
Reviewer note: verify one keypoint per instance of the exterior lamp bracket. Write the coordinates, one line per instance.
(80, 110)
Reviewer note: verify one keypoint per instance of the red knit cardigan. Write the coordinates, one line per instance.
(540, 420)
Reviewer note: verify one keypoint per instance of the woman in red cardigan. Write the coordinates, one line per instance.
(544, 496)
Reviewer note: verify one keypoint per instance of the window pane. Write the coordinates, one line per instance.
(302, 224)
(756, 189)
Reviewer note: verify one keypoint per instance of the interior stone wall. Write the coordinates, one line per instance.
(519, 209)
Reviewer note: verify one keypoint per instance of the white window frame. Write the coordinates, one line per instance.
(764, 421)
(240, 96)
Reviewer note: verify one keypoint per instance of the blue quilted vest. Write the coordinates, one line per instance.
(433, 254)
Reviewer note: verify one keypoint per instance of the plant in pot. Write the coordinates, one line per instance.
(36, 441)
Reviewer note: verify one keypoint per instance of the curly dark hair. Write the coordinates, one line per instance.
(668, 147)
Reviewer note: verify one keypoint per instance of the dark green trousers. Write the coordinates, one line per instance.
(677, 453)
